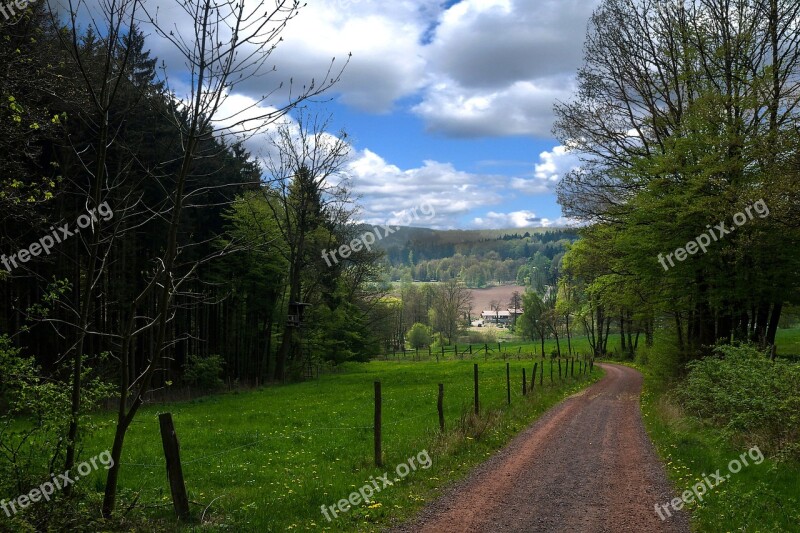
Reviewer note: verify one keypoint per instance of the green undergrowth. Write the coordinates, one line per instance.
(696, 444)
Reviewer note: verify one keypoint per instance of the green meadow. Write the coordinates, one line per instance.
(269, 459)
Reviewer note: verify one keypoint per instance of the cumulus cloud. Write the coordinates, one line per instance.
(387, 190)
(552, 166)
(522, 108)
(518, 219)
(499, 65)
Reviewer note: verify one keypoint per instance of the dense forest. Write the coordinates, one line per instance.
(477, 258)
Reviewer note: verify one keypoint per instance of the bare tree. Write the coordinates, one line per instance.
(451, 300)
(226, 46)
(309, 199)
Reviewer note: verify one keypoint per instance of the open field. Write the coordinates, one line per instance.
(267, 460)
(482, 298)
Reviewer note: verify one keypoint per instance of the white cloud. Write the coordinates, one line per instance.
(475, 68)
(518, 219)
(522, 108)
(499, 65)
(552, 166)
(387, 190)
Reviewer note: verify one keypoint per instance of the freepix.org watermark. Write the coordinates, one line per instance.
(700, 488)
(58, 235)
(8, 11)
(366, 240)
(48, 488)
(714, 234)
(365, 493)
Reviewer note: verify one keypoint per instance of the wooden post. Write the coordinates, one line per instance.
(533, 377)
(524, 383)
(172, 453)
(508, 382)
(477, 403)
(470, 350)
(572, 368)
(442, 351)
(440, 406)
(551, 371)
(485, 351)
(559, 369)
(378, 453)
(456, 353)
(541, 374)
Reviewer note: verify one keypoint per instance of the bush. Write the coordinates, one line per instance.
(741, 390)
(204, 373)
(419, 335)
(487, 336)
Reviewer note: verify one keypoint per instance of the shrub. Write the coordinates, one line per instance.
(485, 336)
(419, 335)
(204, 373)
(741, 390)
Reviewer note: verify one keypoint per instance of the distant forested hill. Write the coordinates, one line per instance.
(479, 257)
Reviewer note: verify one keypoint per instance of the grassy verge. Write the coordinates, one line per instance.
(760, 498)
(268, 460)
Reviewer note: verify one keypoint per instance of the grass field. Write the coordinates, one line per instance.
(267, 460)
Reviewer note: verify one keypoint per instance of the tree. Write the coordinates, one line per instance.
(533, 323)
(451, 300)
(515, 303)
(309, 199)
(223, 49)
(419, 336)
(683, 116)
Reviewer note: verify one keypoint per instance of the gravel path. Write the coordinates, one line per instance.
(586, 465)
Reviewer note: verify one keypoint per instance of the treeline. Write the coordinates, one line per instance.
(687, 130)
(235, 302)
(475, 259)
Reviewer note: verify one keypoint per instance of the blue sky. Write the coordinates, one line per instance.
(446, 103)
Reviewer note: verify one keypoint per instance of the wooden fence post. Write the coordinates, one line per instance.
(524, 383)
(508, 382)
(477, 403)
(172, 453)
(440, 407)
(378, 452)
(559, 369)
(533, 377)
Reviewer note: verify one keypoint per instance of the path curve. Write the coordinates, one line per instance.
(587, 465)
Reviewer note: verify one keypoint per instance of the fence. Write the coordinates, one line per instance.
(173, 454)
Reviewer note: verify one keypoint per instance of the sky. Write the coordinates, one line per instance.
(448, 104)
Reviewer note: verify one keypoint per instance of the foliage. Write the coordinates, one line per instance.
(204, 373)
(419, 336)
(35, 412)
(741, 390)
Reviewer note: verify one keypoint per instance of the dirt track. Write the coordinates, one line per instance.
(586, 465)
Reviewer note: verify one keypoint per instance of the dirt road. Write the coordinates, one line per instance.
(586, 465)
